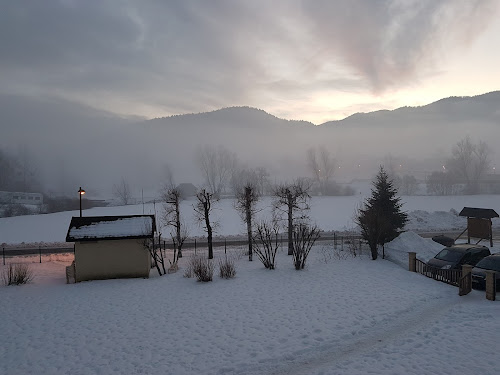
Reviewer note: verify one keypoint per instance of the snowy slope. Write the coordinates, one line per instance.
(426, 213)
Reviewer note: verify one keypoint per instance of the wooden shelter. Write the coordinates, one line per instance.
(479, 223)
(110, 247)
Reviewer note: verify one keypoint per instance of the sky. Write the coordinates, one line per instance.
(309, 60)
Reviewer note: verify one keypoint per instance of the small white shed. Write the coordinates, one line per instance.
(111, 247)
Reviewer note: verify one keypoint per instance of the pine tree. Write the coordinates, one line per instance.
(381, 218)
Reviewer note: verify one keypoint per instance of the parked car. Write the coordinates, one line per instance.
(492, 263)
(453, 257)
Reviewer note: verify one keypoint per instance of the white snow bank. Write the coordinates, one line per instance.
(397, 250)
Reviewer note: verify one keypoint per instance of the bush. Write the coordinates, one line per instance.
(304, 237)
(17, 274)
(227, 268)
(265, 243)
(202, 268)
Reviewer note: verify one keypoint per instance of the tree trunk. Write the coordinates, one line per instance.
(178, 228)
(290, 229)
(373, 250)
(210, 249)
(249, 232)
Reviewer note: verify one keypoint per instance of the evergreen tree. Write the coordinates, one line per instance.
(380, 218)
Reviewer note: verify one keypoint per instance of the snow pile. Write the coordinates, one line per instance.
(397, 250)
(435, 221)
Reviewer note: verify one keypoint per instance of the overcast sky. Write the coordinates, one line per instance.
(314, 60)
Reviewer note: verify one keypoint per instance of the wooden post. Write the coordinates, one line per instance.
(225, 246)
(3, 255)
(412, 261)
(195, 246)
(40, 253)
(490, 285)
(465, 287)
(491, 235)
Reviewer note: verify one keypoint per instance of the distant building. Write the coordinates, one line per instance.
(9, 197)
(110, 247)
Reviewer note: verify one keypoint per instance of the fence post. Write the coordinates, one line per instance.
(3, 255)
(412, 261)
(490, 285)
(195, 246)
(464, 287)
(334, 241)
(225, 246)
(40, 253)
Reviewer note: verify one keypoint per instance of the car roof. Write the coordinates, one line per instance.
(463, 247)
(497, 255)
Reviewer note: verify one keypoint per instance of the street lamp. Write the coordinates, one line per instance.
(81, 192)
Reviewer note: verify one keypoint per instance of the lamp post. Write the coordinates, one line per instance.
(81, 192)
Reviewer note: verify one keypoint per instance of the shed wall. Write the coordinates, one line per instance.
(111, 259)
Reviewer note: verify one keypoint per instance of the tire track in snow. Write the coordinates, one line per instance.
(382, 334)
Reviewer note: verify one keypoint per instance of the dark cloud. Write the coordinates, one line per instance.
(194, 55)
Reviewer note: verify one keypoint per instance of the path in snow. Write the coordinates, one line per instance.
(376, 338)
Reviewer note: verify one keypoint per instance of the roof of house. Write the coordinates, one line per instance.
(482, 213)
(92, 228)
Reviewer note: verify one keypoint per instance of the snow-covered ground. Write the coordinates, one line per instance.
(341, 315)
(427, 213)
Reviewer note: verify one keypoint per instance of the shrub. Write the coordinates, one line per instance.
(266, 243)
(202, 268)
(304, 237)
(17, 274)
(227, 268)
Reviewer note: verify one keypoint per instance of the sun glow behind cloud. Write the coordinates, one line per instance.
(297, 60)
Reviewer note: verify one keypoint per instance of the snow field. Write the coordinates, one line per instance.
(426, 213)
(351, 316)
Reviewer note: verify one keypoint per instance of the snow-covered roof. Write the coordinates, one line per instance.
(93, 228)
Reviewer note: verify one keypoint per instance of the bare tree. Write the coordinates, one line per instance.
(409, 185)
(322, 166)
(266, 243)
(440, 183)
(26, 170)
(263, 183)
(246, 201)
(469, 162)
(203, 209)
(172, 218)
(304, 237)
(217, 166)
(293, 201)
(122, 192)
(155, 252)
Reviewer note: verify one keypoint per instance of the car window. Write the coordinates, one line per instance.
(489, 263)
(449, 255)
(477, 255)
(467, 259)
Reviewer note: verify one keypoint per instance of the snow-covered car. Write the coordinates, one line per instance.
(455, 256)
(491, 263)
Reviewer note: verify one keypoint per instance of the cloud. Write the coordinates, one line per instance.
(189, 56)
(390, 43)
